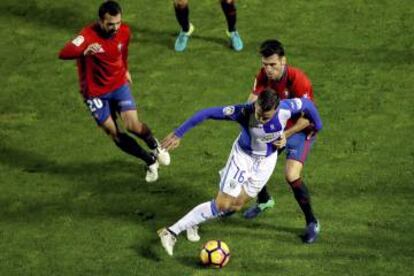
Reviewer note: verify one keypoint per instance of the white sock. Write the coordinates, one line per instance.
(197, 215)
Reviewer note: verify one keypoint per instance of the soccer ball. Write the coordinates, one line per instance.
(215, 254)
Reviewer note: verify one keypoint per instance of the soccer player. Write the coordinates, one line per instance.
(182, 14)
(252, 158)
(288, 82)
(101, 52)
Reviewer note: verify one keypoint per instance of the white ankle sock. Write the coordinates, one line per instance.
(197, 215)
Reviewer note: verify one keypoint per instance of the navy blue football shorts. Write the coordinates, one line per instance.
(116, 101)
(298, 146)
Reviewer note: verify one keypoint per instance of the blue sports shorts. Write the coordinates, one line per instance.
(116, 101)
(298, 147)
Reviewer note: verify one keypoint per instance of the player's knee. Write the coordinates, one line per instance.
(228, 1)
(181, 3)
(223, 204)
(291, 176)
(134, 126)
(238, 204)
(113, 134)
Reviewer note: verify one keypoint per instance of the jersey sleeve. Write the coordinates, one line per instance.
(296, 106)
(125, 48)
(74, 49)
(229, 113)
(310, 111)
(301, 85)
(259, 83)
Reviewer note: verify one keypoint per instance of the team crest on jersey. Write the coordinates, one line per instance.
(286, 92)
(228, 110)
(78, 40)
(120, 47)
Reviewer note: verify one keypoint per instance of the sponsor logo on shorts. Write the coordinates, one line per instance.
(125, 103)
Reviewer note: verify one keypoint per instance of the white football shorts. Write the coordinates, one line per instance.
(248, 171)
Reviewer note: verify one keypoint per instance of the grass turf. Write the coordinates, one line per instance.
(71, 203)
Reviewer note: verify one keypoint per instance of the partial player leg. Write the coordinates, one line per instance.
(182, 14)
(229, 10)
(128, 144)
(301, 193)
(140, 129)
(264, 202)
(123, 103)
(125, 142)
(205, 211)
(199, 214)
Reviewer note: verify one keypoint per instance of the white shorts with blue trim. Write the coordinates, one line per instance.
(250, 172)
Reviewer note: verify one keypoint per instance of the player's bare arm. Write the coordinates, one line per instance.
(300, 125)
(128, 77)
(252, 98)
(92, 49)
(170, 142)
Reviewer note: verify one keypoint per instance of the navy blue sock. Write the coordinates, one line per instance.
(128, 144)
(182, 13)
(263, 196)
(146, 136)
(230, 14)
(303, 198)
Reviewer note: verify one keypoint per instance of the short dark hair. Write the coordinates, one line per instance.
(271, 47)
(268, 99)
(111, 7)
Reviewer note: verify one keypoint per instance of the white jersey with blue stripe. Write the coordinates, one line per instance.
(255, 138)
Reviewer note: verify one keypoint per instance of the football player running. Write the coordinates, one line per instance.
(101, 52)
(252, 158)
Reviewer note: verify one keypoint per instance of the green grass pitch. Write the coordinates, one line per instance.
(73, 204)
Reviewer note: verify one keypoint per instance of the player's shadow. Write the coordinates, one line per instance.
(239, 226)
(167, 38)
(212, 39)
(114, 188)
(191, 261)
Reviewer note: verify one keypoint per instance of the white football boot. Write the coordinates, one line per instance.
(192, 234)
(152, 172)
(162, 155)
(168, 240)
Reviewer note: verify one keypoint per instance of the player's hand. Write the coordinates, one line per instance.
(128, 77)
(92, 49)
(310, 135)
(281, 142)
(171, 142)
